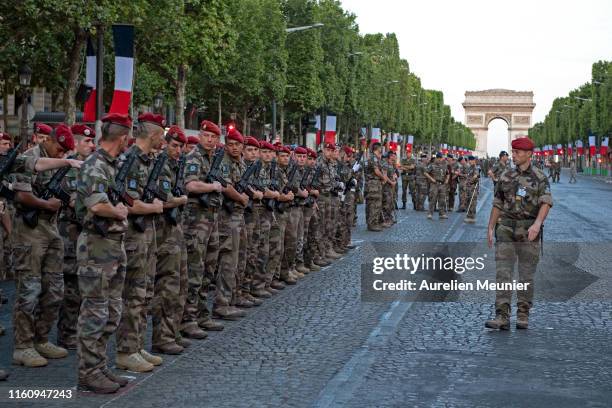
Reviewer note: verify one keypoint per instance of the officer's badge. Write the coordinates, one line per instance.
(166, 185)
(193, 168)
(101, 188)
(522, 192)
(132, 184)
(73, 184)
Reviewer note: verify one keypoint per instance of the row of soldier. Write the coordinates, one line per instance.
(167, 228)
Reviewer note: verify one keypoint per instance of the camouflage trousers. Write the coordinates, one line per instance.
(211, 268)
(472, 200)
(261, 277)
(243, 285)
(252, 223)
(345, 221)
(277, 246)
(408, 185)
(374, 202)
(336, 214)
(7, 266)
(463, 197)
(200, 227)
(294, 218)
(3, 258)
(302, 255)
(388, 203)
(101, 270)
(40, 283)
(437, 198)
(139, 248)
(326, 230)
(422, 191)
(313, 250)
(151, 266)
(452, 193)
(512, 246)
(231, 230)
(71, 303)
(167, 306)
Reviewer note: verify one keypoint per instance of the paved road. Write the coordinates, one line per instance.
(317, 344)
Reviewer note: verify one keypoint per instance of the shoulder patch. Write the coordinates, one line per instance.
(166, 185)
(132, 184)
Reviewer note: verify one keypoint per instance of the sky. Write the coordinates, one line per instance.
(543, 46)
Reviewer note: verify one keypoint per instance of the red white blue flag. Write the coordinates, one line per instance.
(123, 38)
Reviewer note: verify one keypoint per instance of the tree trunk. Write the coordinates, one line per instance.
(73, 74)
(219, 110)
(244, 121)
(282, 123)
(181, 84)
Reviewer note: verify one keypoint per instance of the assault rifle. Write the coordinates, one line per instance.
(116, 194)
(52, 189)
(214, 174)
(352, 183)
(314, 183)
(270, 203)
(177, 191)
(242, 186)
(256, 184)
(151, 191)
(5, 168)
(281, 206)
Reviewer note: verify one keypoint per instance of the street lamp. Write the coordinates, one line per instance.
(303, 28)
(25, 77)
(395, 81)
(353, 54)
(582, 99)
(158, 101)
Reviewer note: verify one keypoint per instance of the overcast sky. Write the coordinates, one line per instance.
(543, 46)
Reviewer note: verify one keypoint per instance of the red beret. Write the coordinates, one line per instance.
(283, 149)
(177, 134)
(233, 134)
(312, 153)
(5, 136)
(193, 140)
(131, 141)
(348, 150)
(300, 150)
(264, 144)
(251, 141)
(42, 128)
(278, 145)
(153, 118)
(330, 146)
(523, 143)
(83, 130)
(63, 136)
(208, 126)
(118, 119)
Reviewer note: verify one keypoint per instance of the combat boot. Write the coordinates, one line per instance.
(50, 350)
(194, 332)
(522, 315)
(430, 216)
(150, 358)
(313, 267)
(261, 293)
(133, 362)
(228, 313)
(470, 220)
(351, 246)
(67, 344)
(4, 375)
(374, 228)
(332, 254)
(502, 318)
(321, 262)
(243, 303)
(302, 269)
(28, 357)
(277, 285)
(169, 348)
(403, 205)
(296, 274)
(252, 299)
(443, 216)
(272, 291)
(183, 342)
(97, 383)
(288, 279)
(122, 381)
(209, 324)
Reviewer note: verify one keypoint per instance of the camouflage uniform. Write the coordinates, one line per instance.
(389, 197)
(69, 229)
(327, 182)
(497, 169)
(167, 307)
(471, 187)
(200, 227)
(252, 226)
(452, 187)
(261, 278)
(438, 190)
(140, 250)
(277, 235)
(336, 204)
(294, 218)
(343, 238)
(518, 195)
(303, 224)
(374, 192)
(422, 186)
(463, 200)
(38, 252)
(409, 180)
(101, 265)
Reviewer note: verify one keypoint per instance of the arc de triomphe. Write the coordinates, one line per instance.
(481, 107)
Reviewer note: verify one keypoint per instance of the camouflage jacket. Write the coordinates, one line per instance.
(438, 171)
(519, 194)
(138, 174)
(462, 169)
(69, 184)
(373, 164)
(96, 176)
(232, 170)
(196, 169)
(419, 173)
(409, 168)
(327, 176)
(472, 174)
(497, 169)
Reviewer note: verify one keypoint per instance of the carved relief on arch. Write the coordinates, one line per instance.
(507, 117)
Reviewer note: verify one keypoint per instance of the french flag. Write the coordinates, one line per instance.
(89, 110)
(592, 145)
(579, 148)
(123, 37)
(409, 143)
(603, 149)
(330, 129)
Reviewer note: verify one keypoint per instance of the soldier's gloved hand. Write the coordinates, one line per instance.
(341, 186)
(356, 167)
(121, 212)
(53, 204)
(158, 206)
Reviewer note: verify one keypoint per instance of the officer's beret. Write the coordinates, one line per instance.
(208, 126)
(330, 146)
(284, 149)
(235, 135)
(83, 130)
(5, 136)
(131, 141)
(63, 135)
(503, 153)
(523, 143)
(177, 134)
(153, 118)
(439, 155)
(193, 140)
(118, 119)
(311, 153)
(300, 150)
(348, 150)
(251, 141)
(264, 144)
(42, 128)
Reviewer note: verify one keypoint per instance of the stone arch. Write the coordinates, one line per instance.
(482, 107)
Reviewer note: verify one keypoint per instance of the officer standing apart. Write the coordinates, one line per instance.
(499, 167)
(520, 206)
(472, 185)
(438, 176)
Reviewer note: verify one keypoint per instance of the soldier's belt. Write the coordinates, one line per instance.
(42, 215)
(114, 236)
(508, 222)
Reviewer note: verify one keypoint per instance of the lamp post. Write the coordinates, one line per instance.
(303, 28)
(25, 77)
(158, 102)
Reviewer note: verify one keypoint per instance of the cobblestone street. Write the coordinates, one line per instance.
(317, 344)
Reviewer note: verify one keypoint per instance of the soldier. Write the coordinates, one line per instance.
(452, 182)
(348, 204)
(472, 185)
(38, 248)
(69, 229)
(192, 143)
(422, 186)
(460, 171)
(498, 168)
(327, 184)
(408, 166)
(5, 221)
(573, 172)
(170, 285)
(296, 216)
(140, 248)
(437, 174)
(520, 206)
(313, 252)
(389, 196)
(557, 174)
(375, 179)
(40, 134)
